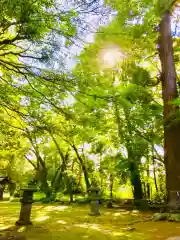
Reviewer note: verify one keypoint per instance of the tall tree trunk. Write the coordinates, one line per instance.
(59, 173)
(41, 174)
(169, 93)
(148, 186)
(2, 187)
(41, 170)
(148, 195)
(71, 199)
(85, 172)
(136, 181)
(154, 168)
(69, 184)
(12, 188)
(42, 178)
(71, 187)
(111, 186)
(133, 161)
(101, 171)
(79, 176)
(110, 202)
(154, 174)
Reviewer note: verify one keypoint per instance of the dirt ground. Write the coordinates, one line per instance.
(73, 223)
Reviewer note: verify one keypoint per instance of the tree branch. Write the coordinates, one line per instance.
(35, 167)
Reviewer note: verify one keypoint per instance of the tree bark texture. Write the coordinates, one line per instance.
(169, 93)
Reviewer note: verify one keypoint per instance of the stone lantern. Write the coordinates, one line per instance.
(26, 205)
(94, 197)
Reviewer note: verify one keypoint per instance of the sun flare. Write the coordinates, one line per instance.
(110, 56)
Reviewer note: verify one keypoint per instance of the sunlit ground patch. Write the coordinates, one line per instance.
(85, 236)
(125, 213)
(41, 219)
(61, 208)
(55, 208)
(86, 225)
(94, 226)
(61, 222)
(107, 213)
(118, 234)
(117, 214)
(3, 227)
(22, 229)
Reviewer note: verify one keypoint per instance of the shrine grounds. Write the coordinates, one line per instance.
(66, 222)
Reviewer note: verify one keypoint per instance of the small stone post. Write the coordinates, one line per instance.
(94, 197)
(26, 205)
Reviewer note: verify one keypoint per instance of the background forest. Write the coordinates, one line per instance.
(89, 92)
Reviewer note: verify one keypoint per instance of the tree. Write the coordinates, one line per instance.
(128, 106)
(158, 19)
(169, 89)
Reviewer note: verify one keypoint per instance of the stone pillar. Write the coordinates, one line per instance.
(26, 205)
(94, 197)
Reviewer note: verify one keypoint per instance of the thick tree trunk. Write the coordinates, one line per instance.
(169, 92)
(136, 181)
